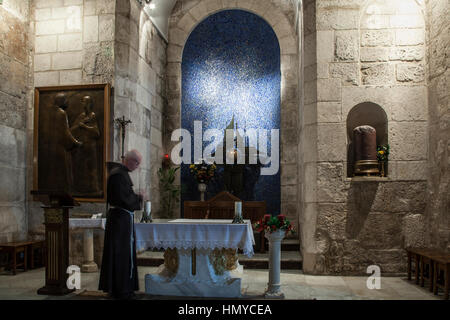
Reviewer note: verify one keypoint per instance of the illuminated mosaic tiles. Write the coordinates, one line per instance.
(231, 67)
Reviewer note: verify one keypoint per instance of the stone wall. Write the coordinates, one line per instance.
(357, 52)
(139, 94)
(308, 134)
(280, 15)
(73, 43)
(14, 99)
(438, 195)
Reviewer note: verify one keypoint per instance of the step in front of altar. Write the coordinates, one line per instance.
(290, 260)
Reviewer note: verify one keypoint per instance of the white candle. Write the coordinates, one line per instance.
(238, 208)
(148, 206)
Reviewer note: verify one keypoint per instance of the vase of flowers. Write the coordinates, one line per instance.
(383, 157)
(271, 224)
(203, 173)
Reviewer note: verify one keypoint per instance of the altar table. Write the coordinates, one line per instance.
(200, 256)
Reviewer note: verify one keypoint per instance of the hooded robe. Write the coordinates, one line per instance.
(118, 275)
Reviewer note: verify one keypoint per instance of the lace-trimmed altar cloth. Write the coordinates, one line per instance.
(196, 233)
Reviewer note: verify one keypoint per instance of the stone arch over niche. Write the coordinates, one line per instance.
(181, 26)
(392, 46)
(365, 113)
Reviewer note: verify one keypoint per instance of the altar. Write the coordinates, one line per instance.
(200, 256)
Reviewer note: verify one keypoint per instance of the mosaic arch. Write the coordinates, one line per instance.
(179, 31)
(231, 72)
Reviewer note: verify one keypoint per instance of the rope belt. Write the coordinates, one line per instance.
(131, 237)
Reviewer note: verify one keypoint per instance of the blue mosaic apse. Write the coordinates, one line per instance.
(231, 69)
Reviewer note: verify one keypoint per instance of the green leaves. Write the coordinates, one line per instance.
(170, 194)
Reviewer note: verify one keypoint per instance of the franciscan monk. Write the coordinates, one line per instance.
(118, 274)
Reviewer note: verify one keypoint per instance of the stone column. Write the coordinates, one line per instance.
(273, 289)
(88, 247)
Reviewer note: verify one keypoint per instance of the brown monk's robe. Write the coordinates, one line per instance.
(118, 276)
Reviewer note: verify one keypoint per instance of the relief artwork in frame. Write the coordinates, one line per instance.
(71, 140)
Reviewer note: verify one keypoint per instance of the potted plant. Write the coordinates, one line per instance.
(170, 193)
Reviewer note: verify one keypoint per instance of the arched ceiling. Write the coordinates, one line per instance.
(159, 12)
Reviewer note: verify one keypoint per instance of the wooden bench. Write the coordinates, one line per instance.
(441, 267)
(432, 265)
(27, 248)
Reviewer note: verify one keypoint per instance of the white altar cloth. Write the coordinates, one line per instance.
(204, 236)
(196, 233)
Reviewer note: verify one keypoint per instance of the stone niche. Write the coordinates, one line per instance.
(365, 114)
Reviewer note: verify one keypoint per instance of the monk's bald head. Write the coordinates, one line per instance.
(133, 159)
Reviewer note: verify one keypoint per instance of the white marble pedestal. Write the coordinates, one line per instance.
(273, 287)
(185, 274)
(88, 225)
(89, 264)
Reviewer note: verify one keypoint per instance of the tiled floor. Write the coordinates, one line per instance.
(295, 285)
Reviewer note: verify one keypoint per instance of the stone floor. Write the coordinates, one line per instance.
(295, 285)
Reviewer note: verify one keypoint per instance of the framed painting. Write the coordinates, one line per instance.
(71, 140)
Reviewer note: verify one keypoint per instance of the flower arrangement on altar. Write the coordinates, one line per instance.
(203, 172)
(271, 224)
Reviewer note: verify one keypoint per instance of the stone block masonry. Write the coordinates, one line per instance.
(73, 43)
(14, 98)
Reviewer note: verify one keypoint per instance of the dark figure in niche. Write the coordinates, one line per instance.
(85, 129)
(55, 144)
(118, 275)
(238, 179)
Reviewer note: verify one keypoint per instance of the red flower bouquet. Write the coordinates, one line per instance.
(271, 224)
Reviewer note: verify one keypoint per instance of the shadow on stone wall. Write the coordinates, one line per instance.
(360, 199)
